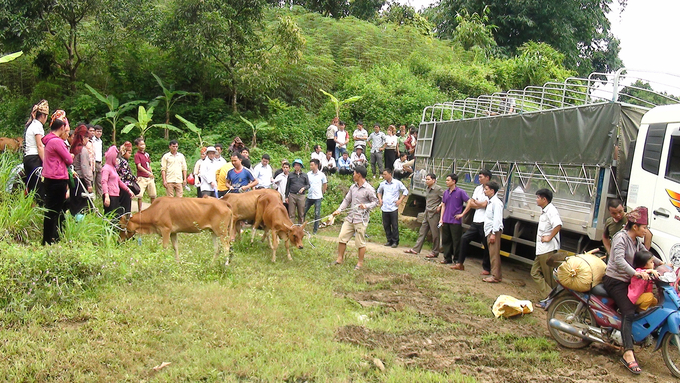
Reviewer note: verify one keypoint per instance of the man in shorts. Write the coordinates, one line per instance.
(361, 198)
(145, 177)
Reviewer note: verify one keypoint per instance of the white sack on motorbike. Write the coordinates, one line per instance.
(581, 272)
(508, 306)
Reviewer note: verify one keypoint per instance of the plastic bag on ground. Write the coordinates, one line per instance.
(507, 306)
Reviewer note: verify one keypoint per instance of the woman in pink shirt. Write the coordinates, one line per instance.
(55, 175)
(112, 184)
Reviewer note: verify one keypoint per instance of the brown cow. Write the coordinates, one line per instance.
(11, 144)
(168, 216)
(273, 214)
(244, 207)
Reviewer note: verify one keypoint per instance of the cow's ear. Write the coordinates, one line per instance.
(304, 224)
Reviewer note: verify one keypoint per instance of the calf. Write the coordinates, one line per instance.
(168, 216)
(273, 214)
(244, 207)
(10, 144)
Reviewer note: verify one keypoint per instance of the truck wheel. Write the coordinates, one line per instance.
(670, 349)
(564, 308)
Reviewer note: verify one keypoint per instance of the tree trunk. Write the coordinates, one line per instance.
(254, 143)
(166, 132)
(234, 106)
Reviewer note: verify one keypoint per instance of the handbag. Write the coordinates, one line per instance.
(134, 187)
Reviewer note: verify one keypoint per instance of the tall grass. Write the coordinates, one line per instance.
(19, 220)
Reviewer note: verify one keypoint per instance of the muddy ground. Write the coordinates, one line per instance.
(481, 346)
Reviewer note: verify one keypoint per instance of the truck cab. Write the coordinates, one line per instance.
(655, 179)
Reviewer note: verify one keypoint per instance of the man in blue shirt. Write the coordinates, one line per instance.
(239, 179)
(345, 164)
(390, 194)
(317, 187)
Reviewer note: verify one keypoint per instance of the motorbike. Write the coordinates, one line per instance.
(578, 319)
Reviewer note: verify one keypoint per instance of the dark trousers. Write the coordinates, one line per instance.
(55, 203)
(474, 233)
(32, 179)
(451, 234)
(346, 171)
(125, 201)
(618, 291)
(114, 206)
(78, 203)
(330, 145)
(390, 157)
(390, 221)
(317, 211)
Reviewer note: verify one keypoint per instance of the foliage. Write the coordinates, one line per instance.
(116, 110)
(642, 93)
(10, 57)
(537, 63)
(256, 127)
(406, 15)
(170, 97)
(578, 29)
(339, 103)
(473, 30)
(192, 127)
(19, 221)
(144, 117)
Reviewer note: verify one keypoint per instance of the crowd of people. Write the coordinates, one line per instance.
(67, 170)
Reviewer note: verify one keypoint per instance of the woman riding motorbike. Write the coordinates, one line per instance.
(619, 273)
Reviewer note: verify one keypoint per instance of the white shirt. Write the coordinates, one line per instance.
(327, 163)
(479, 196)
(280, 183)
(391, 141)
(316, 181)
(35, 127)
(357, 160)
(97, 144)
(219, 161)
(391, 191)
(207, 172)
(341, 135)
(319, 156)
(263, 175)
(493, 216)
(398, 165)
(360, 137)
(549, 219)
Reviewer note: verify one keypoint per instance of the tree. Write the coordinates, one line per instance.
(256, 127)
(232, 35)
(337, 103)
(577, 28)
(144, 117)
(170, 97)
(406, 15)
(28, 24)
(192, 127)
(642, 93)
(473, 30)
(116, 110)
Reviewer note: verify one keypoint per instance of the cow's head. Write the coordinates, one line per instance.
(296, 235)
(128, 229)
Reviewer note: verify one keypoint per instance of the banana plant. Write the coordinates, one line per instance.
(144, 117)
(10, 57)
(337, 103)
(259, 126)
(116, 110)
(170, 97)
(192, 127)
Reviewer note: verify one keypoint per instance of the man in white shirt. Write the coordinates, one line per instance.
(476, 230)
(341, 140)
(360, 135)
(378, 142)
(281, 180)
(97, 145)
(263, 173)
(318, 183)
(328, 165)
(207, 172)
(219, 160)
(390, 194)
(358, 158)
(317, 153)
(402, 168)
(493, 230)
(547, 241)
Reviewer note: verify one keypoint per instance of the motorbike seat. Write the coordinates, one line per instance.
(599, 291)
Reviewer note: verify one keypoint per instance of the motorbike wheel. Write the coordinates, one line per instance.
(563, 308)
(670, 349)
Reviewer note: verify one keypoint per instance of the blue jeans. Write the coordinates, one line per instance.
(317, 211)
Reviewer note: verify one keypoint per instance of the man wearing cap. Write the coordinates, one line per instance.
(361, 198)
(240, 179)
(547, 241)
(358, 158)
(378, 142)
(360, 135)
(207, 172)
(298, 184)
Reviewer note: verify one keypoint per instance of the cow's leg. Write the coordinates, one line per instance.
(216, 245)
(173, 237)
(274, 243)
(287, 242)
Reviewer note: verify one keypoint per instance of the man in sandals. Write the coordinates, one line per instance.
(361, 198)
(433, 202)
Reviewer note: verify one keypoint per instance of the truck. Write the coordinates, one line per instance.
(589, 140)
